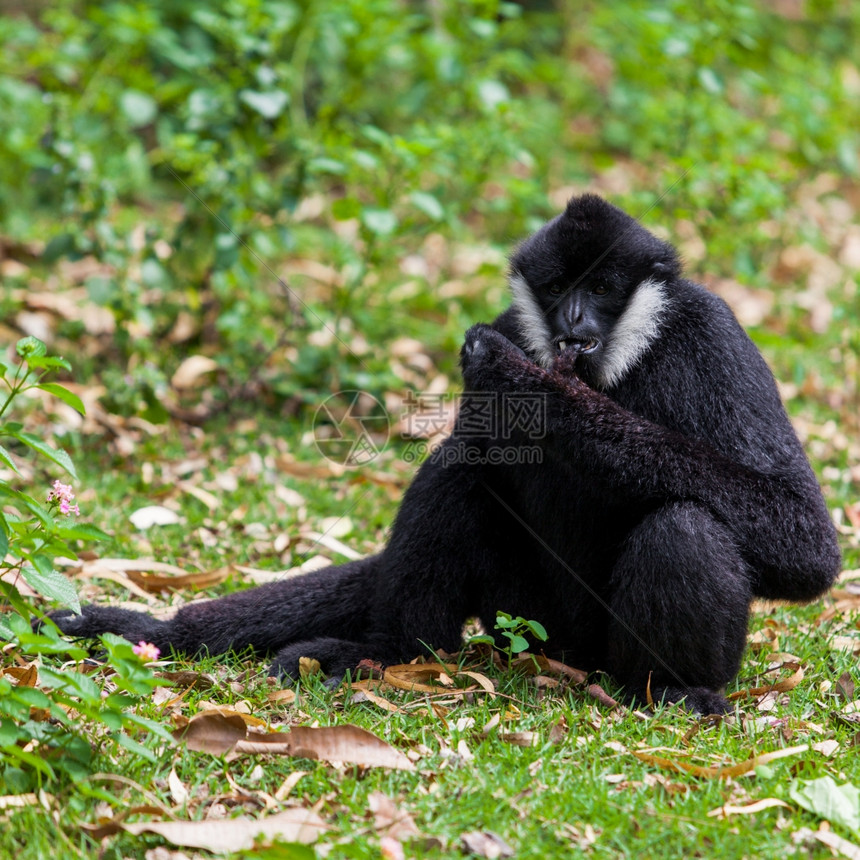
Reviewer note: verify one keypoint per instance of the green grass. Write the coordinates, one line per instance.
(111, 116)
(548, 800)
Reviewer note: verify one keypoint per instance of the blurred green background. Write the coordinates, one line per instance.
(221, 212)
(242, 179)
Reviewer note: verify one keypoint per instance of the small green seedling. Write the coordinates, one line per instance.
(514, 630)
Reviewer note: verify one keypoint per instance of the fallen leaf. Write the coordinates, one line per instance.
(189, 678)
(747, 809)
(379, 701)
(845, 686)
(483, 680)
(344, 743)
(826, 748)
(25, 676)
(212, 732)
(389, 820)
(219, 733)
(156, 582)
(391, 849)
(308, 667)
(153, 515)
(189, 374)
(721, 772)
(289, 784)
(520, 739)
(336, 527)
(210, 500)
(782, 686)
(178, 792)
(411, 676)
(124, 565)
(837, 843)
(597, 692)
(838, 804)
(484, 843)
(282, 697)
(845, 643)
(332, 543)
(236, 834)
(10, 801)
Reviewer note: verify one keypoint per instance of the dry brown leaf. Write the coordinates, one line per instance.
(826, 748)
(486, 844)
(10, 801)
(124, 565)
(189, 678)
(391, 849)
(845, 686)
(219, 733)
(111, 826)
(782, 686)
(389, 820)
(282, 697)
(764, 638)
(411, 676)
(483, 680)
(190, 373)
(667, 785)
(156, 582)
(597, 692)
(25, 676)
(557, 731)
(236, 834)
(725, 771)
(365, 695)
(844, 604)
(210, 500)
(239, 709)
(179, 794)
(845, 643)
(836, 843)
(119, 579)
(345, 743)
(309, 666)
(153, 515)
(330, 542)
(520, 739)
(289, 784)
(212, 732)
(746, 809)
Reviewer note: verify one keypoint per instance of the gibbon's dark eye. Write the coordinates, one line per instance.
(600, 290)
(556, 290)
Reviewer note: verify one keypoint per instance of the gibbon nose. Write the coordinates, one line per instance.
(573, 311)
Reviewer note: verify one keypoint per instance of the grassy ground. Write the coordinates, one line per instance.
(136, 138)
(550, 770)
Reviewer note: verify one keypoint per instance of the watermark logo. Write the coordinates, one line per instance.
(351, 428)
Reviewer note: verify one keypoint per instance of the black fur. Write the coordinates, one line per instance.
(672, 491)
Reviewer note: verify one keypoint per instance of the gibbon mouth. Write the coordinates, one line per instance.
(582, 347)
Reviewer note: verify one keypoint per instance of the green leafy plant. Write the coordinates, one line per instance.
(39, 737)
(515, 631)
(235, 115)
(33, 533)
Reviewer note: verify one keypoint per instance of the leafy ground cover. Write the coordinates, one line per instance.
(222, 214)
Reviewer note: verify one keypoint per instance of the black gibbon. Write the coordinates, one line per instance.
(670, 491)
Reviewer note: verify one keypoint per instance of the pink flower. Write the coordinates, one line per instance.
(146, 651)
(391, 849)
(63, 495)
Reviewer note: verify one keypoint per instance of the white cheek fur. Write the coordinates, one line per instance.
(634, 332)
(533, 324)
